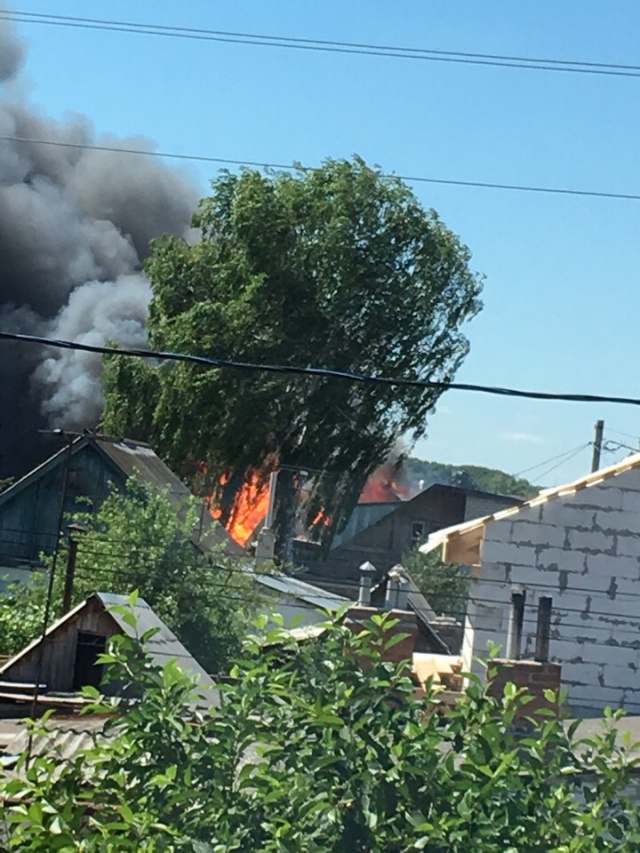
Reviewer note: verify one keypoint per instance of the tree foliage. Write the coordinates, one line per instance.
(337, 267)
(445, 585)
(137, 540)
(468, 477)
(309, 752)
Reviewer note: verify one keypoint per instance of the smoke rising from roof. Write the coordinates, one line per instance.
(75, 226)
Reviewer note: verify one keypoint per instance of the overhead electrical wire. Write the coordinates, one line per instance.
(327, 45)
(635, 437)
(322, 372)
(258, 164)
(553, 459)
(562, 462)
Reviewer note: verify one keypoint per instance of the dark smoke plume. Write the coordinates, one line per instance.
(75, 226)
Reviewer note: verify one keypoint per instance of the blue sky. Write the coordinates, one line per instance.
(561, 272)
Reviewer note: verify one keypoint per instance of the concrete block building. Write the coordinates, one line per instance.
(558, 579)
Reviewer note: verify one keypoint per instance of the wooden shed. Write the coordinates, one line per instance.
(67, 657)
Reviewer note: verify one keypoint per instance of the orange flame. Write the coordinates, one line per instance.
(383, 487)
(321, 518)
(250, 506)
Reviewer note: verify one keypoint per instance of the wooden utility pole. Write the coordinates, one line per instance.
(72, 554)
(597, 445)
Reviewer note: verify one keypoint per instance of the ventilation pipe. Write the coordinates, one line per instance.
(367, 572)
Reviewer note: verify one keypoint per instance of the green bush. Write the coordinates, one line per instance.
(309, 752)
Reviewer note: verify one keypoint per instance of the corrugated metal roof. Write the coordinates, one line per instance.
(65, 737)
(164, 645)
(473, 530)
(311, 595)
(136, 458)
(129, 458)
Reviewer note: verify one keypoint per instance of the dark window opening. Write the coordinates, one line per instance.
(87, 672)
(543, 629)
(516, 621)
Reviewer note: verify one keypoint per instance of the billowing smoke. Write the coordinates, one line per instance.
(75, 225)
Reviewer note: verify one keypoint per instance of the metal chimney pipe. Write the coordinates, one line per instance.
(367, 572)
(273, 482)
(397, 597)
(402, 597)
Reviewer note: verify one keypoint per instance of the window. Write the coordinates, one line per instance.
(417, 532)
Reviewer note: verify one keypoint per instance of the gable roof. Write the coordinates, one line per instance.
(366, 515)
(461, 543)
(127, 458)
(161, 647)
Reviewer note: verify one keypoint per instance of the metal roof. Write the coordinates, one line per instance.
(310, 595)
(162, 647)
(138, 459)
(130, 458)
(462, 541)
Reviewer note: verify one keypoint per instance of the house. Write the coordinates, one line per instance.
(30, 511)
(557, 579)
(66, 659)
(383, 532)
(30, 508)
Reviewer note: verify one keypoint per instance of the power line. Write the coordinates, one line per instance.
(562, 462)
(327, 45)
(552, 459)
(635, 437)
(322, 372)
(257, 164)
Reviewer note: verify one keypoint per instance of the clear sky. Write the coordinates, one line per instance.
(561, 290)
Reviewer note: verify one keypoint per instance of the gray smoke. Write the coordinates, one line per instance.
(75, 226)
(11, 51)
(96, 313)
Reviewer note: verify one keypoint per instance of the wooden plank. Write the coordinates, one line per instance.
(62, 701)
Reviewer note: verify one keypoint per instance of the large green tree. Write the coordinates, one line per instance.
(137, 540)
(337, 267)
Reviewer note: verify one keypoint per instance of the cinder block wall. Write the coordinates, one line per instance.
(583, 550)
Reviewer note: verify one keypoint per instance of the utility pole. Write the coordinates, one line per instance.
(597, 445)
(66, 463)
(72, 553)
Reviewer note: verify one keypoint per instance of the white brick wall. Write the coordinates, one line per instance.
(583, 550)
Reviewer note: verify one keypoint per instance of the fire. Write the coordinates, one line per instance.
(384, 486)
(321, 518)
(250, 506)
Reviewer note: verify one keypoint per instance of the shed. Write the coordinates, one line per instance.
(71, 647)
